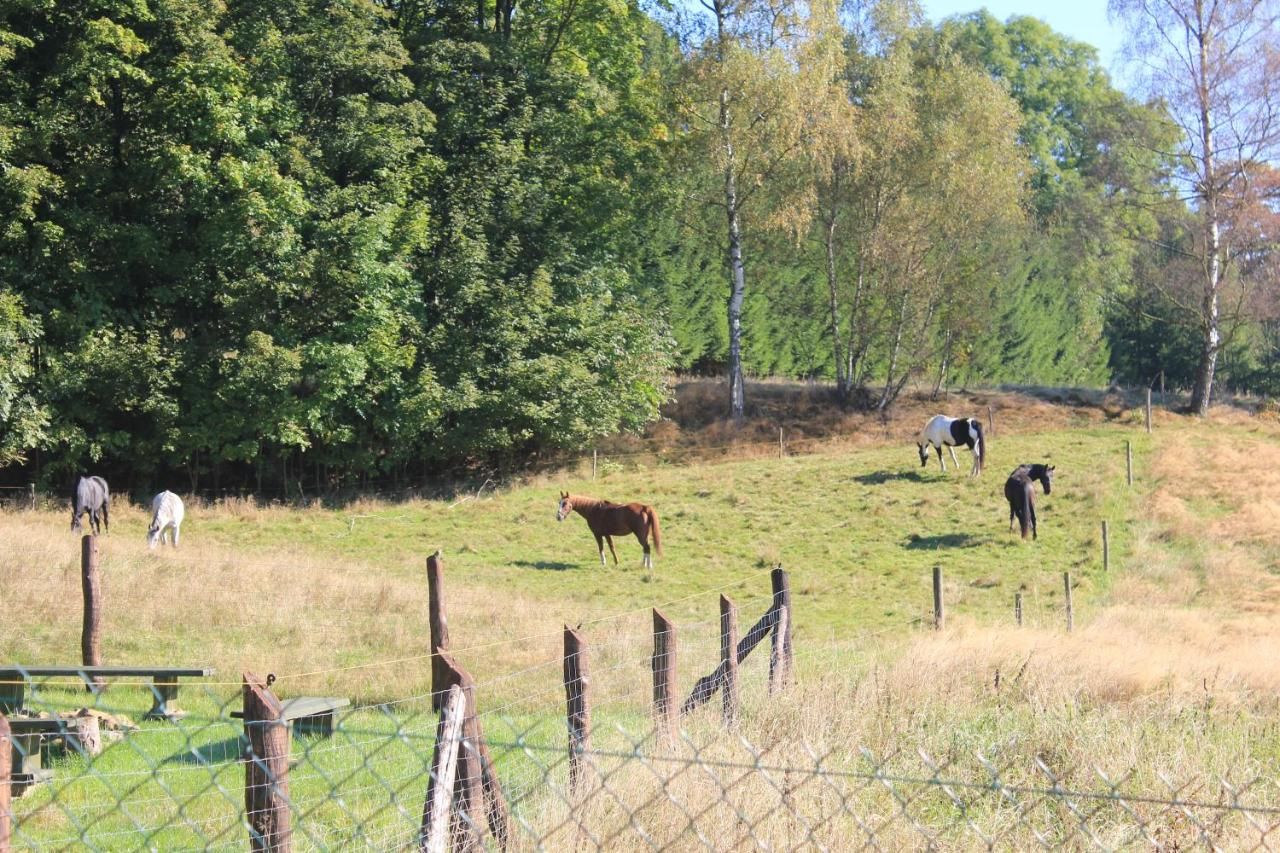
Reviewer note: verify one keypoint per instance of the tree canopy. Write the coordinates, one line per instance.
(323, 244)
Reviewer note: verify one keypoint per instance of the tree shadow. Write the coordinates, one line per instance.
(216, 752)
(546, 565)
(945, 540)
(877, 478)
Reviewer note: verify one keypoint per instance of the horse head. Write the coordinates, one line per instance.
(566, 507)
(924, 453)
(1047, 479)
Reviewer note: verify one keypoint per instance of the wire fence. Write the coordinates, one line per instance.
(360, 779)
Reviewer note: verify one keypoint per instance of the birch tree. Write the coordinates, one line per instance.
(1215, 65)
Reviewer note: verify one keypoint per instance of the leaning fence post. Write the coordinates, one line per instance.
(477, 784)
(729, 659)
(576, 680)
(6, 757)
(1128, 459)
(939, 616)
(439, 628)
(444, 767)
(266, 768)
(91, 585)
(1066, 586)
(1148, 408)
(1106, 546)
(664, 677)
(781, 656)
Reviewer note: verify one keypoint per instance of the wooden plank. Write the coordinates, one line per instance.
(109, 671)
(444, 766)
(6, 799)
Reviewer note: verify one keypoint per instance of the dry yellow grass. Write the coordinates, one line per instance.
(1166, 691)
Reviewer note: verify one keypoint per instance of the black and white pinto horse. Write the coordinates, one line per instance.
(93, 497)
(1021, 496)
(942, 431)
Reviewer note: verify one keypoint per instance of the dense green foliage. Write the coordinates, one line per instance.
(263, 244)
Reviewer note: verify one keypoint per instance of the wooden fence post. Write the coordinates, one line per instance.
(1128, 459)
(1148, 408)
(444, 767)
(1106, 546)
(439, 628)
(781, 656)
(664, 677)
(476, 786)
(31, 490)
(91, 630)
(991, 421)
(1163, 402)
(6, 769)
(266, 769)
(729, 659)
(595, 460)
(577, 679)
(939, 615)
(781, 453)
(1066, 587)
(1017, 608)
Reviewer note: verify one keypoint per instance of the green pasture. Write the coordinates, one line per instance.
(860, 533)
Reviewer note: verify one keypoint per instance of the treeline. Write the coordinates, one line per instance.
(251, 244)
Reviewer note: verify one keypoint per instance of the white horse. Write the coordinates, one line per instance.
(942, 431)
(167, 513)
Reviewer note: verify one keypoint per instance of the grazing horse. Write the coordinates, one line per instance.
(93, 497)
(1021, 496)
(166, 514)
(942, 431)
(607, 520)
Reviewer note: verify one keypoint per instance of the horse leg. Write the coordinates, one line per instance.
(1012, 511)
(940, 462)
(600, 545)
(609, 539)
(954, 460)
(105, 521)
(642, 536)
(174, 533)
(1031, 511)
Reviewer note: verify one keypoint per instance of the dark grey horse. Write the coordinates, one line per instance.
(92, 496)
(1021, 497)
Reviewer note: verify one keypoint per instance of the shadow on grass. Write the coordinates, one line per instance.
(545, 565)
(217, 752)
(945, 540)
(877, 478)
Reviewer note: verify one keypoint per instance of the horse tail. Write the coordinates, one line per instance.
(652, 517)
(982, 443)
(1026, 502)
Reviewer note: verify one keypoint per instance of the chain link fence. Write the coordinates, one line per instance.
(181, 784)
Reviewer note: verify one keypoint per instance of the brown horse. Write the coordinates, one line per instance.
(607, 520)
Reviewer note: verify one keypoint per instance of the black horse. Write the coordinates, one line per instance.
(91, 496)
(1021, 496)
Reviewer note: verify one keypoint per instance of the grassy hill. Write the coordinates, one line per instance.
(1168, 676)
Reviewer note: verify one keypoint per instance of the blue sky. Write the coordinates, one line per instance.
(1084, 20)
